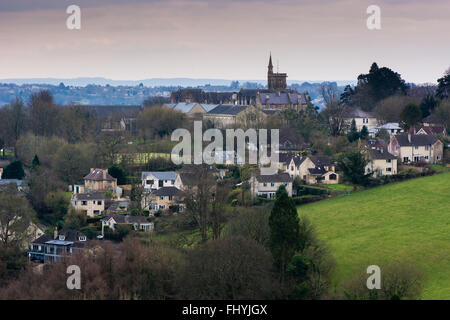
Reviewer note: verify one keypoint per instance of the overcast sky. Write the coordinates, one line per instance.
(137, 39)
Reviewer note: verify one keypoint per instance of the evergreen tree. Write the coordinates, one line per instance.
(353, 135)
(428, 104)
(35, 163)
(364, 133)
(443, 90)
(411, 115)
(284, 231)
(14, 171)
(118, 173)
(354, 167)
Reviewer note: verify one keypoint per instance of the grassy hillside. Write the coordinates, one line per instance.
(404, 220)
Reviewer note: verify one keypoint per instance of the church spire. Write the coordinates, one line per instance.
(270, 63)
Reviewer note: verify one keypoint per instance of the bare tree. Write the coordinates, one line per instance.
(334, 113)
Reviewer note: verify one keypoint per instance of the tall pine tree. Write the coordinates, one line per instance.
(284, 231)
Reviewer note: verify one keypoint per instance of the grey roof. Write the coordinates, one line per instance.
(70, 236)
(432, 119)
(281, 98)
(160, 175)
(99, 175)
(299, 160)
(228, 109)
(358, 113)
(184, 107)
(90, 196)
(377, 154)
(137, 219)
(6, 181)
(208, 107)
(167, 191)
(122, 111)
(121, 219)
(317, 171)
(279, 177)
(416, 140)
(321, 161)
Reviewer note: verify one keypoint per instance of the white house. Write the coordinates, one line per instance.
(155, 180)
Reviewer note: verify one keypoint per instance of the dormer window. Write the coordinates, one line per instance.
(82, 238)
(62, 237)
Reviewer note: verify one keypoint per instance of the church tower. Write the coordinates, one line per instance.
(275, 81)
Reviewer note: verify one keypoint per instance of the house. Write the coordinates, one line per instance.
(324, 171)
(190, 109)
(154, 180)
(137, 222)
(433, 130)
(267, 185)
(298, 167)
(100, 180)
(92, 204)
(53, 248)
(231, 116)
(166, 198)
(432, 121)
(381, 162)
(416, 148)
(362, 118)
(390, 127)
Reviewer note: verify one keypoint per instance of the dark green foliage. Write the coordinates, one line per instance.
(14, 171)
(118, 173)
(364, 133)
(353, 165)
(284, 231)
(443, 90)
(353, 135)
(428, 104)
(35, 163)
(411, 115)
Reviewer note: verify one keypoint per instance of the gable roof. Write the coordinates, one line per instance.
(90, 196)
(184, 107)
(279, 177)
(321, 161)
(317, 171)
(167, 191)
(99, 175)
(381, 155)
(416, 140)
(160, 175)
(427, 129)
(432, 119)
(227, 109)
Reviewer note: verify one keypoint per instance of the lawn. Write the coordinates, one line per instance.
(408, 220)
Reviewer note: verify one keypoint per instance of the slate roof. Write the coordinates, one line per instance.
(281, 98)
(427, 129)
(99, 175)
(69, 236)
(227, 109)
(208, 107)
(377, 154)
(122, 111)
(90, 196)
(432, 119)
(321, 161)
(167, 191)
(416, 140)
(358, 113)
(184, 107)
(160, 175)
(279, 177)
(121, 219)
(317, 171)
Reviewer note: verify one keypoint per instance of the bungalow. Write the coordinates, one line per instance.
(92, 204)
(267, 185)
(416, 148)
(138, 222)
(391, 128)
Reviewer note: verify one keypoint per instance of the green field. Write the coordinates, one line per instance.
(408, 220)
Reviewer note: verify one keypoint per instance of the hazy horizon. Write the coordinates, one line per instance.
(200, 39)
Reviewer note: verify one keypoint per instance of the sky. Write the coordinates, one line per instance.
(223, 39)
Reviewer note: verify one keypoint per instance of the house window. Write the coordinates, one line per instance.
(292, 168)
(388, 160)
(416, 159)
(161, 197)
(388, 169)
(84, 203)
(332, 176)
(265, 184)
(438, 157)
(427, 148)
(96, 212)
(82, 238)
(272, 184)
(150, 181)
(406, 159)
(426, 157)
(170, 198)
(62, 237)
(416, 147)
(99, 202)
(162, 206)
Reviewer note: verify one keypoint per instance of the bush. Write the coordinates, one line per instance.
(14, 171)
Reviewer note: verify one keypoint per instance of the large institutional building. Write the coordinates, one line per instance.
(275, 97)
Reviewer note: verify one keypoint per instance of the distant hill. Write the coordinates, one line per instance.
(153, 82)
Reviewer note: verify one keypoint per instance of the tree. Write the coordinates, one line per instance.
(57, 204)
(71, 164)
(334, 112)
(364, 133)
(428, 104)
(219, 202)
(13, 123)
(443, 89)
(284, 231)
(158, 122)
(14, 171)
(353, 135)
(390, 109)
(411, 115)
(353, 165)
(43, 114)
(118, 173)
(15, 218)
(226, 269)
(443, 113)
(35, 163)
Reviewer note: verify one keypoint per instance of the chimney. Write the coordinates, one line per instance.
(409, 137)
(92, 169)
(55, 233)
(104, 173)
